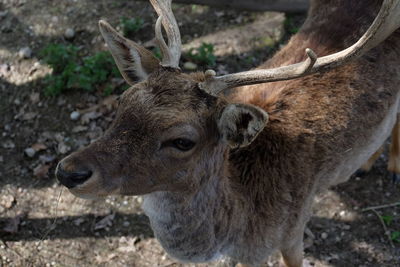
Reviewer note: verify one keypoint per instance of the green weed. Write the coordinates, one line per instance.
(70, 72)
(203, 55)
(131, 25)
(290, 26)
(387, 219)
(395, 236)
(157, 53)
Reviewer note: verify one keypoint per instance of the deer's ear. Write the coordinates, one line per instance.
(239, 124)
(134, 61)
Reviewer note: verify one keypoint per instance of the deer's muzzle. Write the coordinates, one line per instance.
(72, 178)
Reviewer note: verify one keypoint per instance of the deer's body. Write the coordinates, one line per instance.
(320, 132)
(245, 202)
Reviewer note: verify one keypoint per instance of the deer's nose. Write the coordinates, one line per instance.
(72, 178)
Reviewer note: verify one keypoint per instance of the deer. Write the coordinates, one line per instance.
(228, 165)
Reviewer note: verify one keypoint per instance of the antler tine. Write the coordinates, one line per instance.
(172, 51)
(386, 22)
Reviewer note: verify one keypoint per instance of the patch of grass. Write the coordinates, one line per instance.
(157, 53)
(395, 236)
(290, 24)
(203, 55)
(387, 219)
(131, 25)
(70, 72)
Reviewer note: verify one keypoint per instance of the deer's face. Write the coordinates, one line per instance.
(166, 136)
(163, 127)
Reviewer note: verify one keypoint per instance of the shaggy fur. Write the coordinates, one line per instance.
(245, 202)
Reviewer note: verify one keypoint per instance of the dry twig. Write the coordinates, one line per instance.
(387, 232)
(381, 207)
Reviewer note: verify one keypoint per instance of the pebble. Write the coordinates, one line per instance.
(3, 14)
(4, 68)
(47, 158)
(8, 144)
(79, 128)
(25, 52)
(30, 152)
(69, 34)
(7, 201)
(75, 115)
(324, 235)
(63, 148)
(190, 66)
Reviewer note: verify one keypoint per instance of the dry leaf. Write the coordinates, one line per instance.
(105, 222)
(39, 147)
(41, 171)
(29, 116)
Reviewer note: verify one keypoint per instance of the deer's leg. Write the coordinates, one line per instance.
(366, 167)
(394, 154)
(292, 255)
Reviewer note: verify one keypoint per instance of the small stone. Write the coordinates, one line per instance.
(61, 101)
(79, 128)
(8, 144)
(30, 152)
(63, 148)
(79, 221)
(126, 223)
(346, 227)
(17, 102)
(47, 158)
(4, 69)
(69, 34)
(29, 116)
(3, 14)
(190, 66)
(324, 235)
(34, 97)
(1, 159)
(25, 52)
(74, 115)
(7, 201)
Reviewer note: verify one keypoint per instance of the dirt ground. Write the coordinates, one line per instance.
(43, 225)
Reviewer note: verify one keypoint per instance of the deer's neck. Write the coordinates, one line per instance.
(196, 226)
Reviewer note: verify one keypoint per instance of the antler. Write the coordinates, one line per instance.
(171, 52)
(386, 22)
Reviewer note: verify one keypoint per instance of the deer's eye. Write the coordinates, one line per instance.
(182, 144)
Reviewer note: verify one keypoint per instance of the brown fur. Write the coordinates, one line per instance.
(247, 202)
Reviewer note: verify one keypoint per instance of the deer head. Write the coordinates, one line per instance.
(173, 130)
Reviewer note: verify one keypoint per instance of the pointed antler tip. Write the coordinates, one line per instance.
(311, 54)
(210, 74)
(103, 23)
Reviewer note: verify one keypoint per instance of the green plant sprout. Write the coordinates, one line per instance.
(69, 72)
(204, 54)
(131, 25)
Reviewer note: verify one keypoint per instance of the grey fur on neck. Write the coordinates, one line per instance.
(186, 226)
(212, 222)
